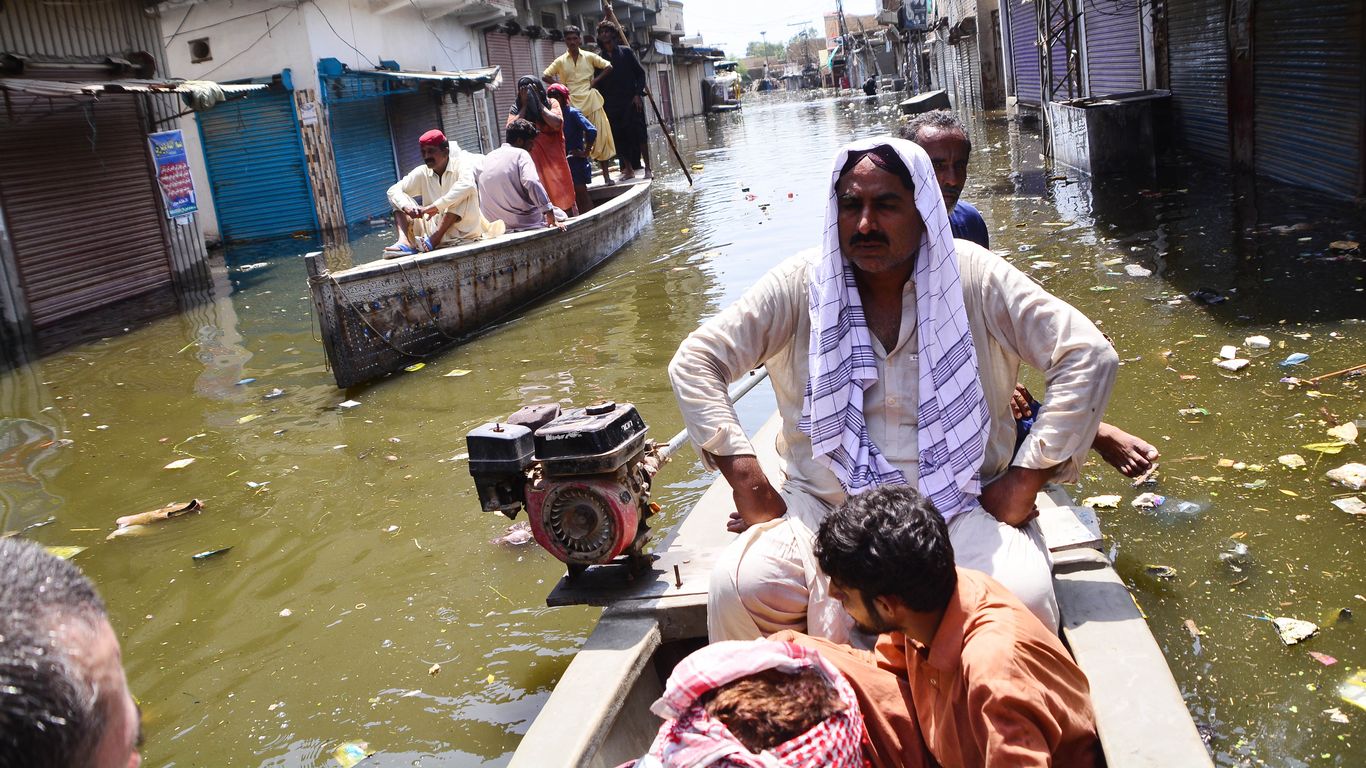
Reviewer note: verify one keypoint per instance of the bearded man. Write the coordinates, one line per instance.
(893, 352)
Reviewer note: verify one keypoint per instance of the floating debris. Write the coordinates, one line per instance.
(1292, 631)
(415, 367)
(1148, 501)
(1134, 270)
(201, 556)
(1192, 413)
(458, 372)
(1352, 475)
(1208, 296)
(351, 753)
(1329, 448)
(1294, 358)
(1107, 501)
(179, 464)
(64, 552)
(518, 534)
(1353, 689)
(1346, 433)
(1352, 505)
(1344, 245)
(1323, 658)
(1291, 460)
(244, 382)
(1233, 365)
(1164, 572)
(1228, 352)
(133, 524)
(1257, 342)
(1234, 553)
(274, 393)
(349, 404)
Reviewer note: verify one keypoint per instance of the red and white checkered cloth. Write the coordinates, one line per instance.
(691, 739)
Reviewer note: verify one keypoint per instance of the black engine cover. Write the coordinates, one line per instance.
(592, 440)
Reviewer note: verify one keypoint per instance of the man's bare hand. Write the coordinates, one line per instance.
(755, 499)
(430, 211)
(413, 212)
(1010, 498)
(1019, 403)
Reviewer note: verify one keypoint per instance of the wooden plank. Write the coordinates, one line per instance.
(1141, 717)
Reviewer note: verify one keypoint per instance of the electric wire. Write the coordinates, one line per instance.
(264, 35)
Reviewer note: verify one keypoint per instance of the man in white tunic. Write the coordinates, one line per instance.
(449, 212)
(893, 352)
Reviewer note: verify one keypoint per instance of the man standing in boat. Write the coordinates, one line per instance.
(893, 353)
(623, 91)
(449, 211)
(945, 139)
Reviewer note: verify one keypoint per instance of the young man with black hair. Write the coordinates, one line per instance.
(510, 188)
(980, 681)
(64, 700)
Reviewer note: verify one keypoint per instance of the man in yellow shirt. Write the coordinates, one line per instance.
(578, 70)
(449, 213)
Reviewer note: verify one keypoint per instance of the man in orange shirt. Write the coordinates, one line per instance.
(963, 673)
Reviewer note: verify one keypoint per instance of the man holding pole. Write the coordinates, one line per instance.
(623, 91)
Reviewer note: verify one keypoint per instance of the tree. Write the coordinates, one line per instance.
(759, 48)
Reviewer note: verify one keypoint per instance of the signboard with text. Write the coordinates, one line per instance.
(173, 173)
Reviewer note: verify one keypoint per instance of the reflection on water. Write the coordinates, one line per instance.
(360, 557)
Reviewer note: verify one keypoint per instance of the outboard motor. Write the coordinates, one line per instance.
(583, 476)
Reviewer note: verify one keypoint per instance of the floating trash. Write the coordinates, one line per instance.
(1346, 433)
(1295, 358)
(1234, 553)
(1233, 365)
(64, 552)
(349, 404)
(202, 556)
(1148, 501)
(1351, 505)
(1134, 270)
(179, 464)
(1257, 342)
(1164, 572)
(1291, 460)
(1228, 352)
(1352, 475)
(1353, 689)
(351, 753)
(1192, 413)
(1292, 631)
(1107, 501)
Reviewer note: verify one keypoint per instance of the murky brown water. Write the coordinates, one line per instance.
(364, 559)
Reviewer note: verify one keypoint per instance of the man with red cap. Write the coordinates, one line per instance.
(448, 213)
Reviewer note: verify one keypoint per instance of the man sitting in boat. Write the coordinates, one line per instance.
(510, 190)
(757, 703)
(945, 139)
(893, 353)
(449, 211)
(962, 672)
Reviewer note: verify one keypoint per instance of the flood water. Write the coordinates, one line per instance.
(360, 558)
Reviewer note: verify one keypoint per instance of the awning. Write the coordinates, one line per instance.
(82, 88)
(465, 80)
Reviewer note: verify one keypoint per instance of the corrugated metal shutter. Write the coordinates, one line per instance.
(1308, 67)
(255, 160)
(410, 116)
(1024, 54)
(1114, 40)
(92, 163)
(513, 54)
(1197, 35)
(365, 157)
(460, 120)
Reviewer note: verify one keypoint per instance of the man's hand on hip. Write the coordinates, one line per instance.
(1010, 497)
(755, 499)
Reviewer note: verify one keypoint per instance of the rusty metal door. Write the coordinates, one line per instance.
(81, 205)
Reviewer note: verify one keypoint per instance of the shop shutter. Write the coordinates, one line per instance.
(1197, 40)
(513, 54)
(1308, 70)
(365, 157)
(1024, 54)
(1114, 40)
(410, 116)
(461, 121)
(83, 211)
(256, 167)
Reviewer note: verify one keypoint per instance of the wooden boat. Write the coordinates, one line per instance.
(598, 716)
(380, 317)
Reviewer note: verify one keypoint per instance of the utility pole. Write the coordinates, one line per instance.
(844, 41)
(764, 35)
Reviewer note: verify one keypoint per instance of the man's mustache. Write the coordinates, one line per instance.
(872, 237)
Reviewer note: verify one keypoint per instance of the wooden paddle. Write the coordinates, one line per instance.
(611, 16)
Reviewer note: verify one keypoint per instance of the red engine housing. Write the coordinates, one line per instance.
(588, 519)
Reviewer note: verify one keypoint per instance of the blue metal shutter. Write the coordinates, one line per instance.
(255, 160)
(1308, 69)
(365, 157)
(1024, 53)
(461, 120)
(1114, 39)
(1197, 42)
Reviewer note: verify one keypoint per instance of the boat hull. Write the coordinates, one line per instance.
(380, 317)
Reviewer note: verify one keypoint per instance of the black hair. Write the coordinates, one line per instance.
(884, 157)
(889, 541)
(521, 129)
(51, 716)
(534, 107)
(572, 30)
(614, 28)
(942, 119)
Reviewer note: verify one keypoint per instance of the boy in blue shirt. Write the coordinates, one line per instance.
(579, 135)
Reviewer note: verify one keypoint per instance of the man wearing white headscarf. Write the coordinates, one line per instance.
(893, 352)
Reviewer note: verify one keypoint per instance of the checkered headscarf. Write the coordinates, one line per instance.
(952, 406)
(691, 739)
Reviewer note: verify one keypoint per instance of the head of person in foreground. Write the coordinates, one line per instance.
(521, 133)
(758, 704)
(64, 700)
(888, 555)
